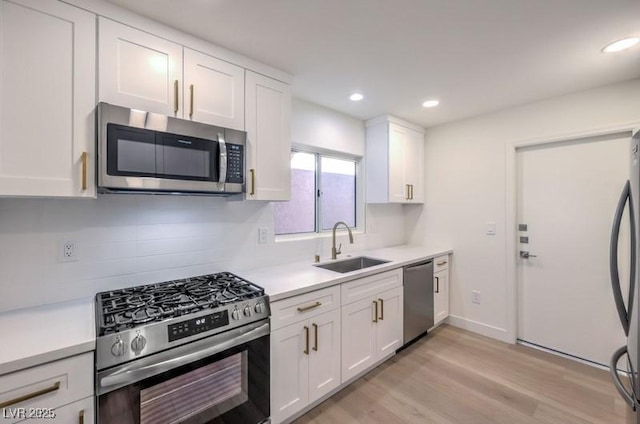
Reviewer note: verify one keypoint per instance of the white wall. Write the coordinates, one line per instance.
(465, 186)
(125, 240)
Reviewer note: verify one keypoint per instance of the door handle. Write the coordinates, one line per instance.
(613, 371)
(437, 284)
(524, 254)
(175, 96)
(306, 345)
(375, 315)
(315, 336)
(83, 159)
(381, 309)
(253, 182)
(191, 101)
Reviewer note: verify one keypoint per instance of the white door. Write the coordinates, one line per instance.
(268, 126)
(289, 371)
(213, 90)
(567, 196)
(358, 338)
(389, 330)
(324, 357)
(139, 70)
(47, 96)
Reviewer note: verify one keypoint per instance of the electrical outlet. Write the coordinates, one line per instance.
(68, 251)
(475, 296)
(263, 235)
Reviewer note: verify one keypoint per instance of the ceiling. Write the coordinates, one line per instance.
(475, 56)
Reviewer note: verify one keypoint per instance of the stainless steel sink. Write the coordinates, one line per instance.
(352, 264)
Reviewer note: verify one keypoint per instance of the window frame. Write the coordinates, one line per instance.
(359, 193)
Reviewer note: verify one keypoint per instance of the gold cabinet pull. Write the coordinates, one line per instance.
(306, 349)
(191, 101)
(22, 398)
(307, 308)
(441, 263)
(381, 309)
(437, 285)
(175, 96)
(411, 185)
(81, 417)
(83, 159)
(375, 319)
(315, 336)
(253, 182)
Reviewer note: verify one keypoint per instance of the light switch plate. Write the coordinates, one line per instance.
(491, 228)
(263, 235)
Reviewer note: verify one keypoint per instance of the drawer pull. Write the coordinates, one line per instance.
(441, 263)
(308, 308)
(81, 417)
(22, 398)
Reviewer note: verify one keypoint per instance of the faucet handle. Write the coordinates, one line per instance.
(339, 249)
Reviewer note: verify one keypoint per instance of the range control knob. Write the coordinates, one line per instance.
(119, 348)
(247, 311)
(259, 308)
(138, 343)
(236, 314)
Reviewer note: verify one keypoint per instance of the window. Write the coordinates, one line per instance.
(323, 192)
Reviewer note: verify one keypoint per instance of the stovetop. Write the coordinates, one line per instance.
(128, 308)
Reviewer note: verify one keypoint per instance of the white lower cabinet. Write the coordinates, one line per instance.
(441, 292)
(305, 363)
(80, 412)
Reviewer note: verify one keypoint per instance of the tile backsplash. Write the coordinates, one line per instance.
(126, 240)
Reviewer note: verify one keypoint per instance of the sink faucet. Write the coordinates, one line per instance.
(335, 252)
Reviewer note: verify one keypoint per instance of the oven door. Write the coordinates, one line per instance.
(219, 379)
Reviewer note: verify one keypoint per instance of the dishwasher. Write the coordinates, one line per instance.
(418, 299)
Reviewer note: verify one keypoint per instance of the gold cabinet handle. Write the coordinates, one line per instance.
(437, 285)
(408, 195)
(175, 96)
(253, 182)
(381, 309)
(307, 308)
(315, 336)
(411, 185)
(375, 315)
(441, 263)
(306, 349)
(191, 101)
(22, 398)
(83, 159)
(81, 417)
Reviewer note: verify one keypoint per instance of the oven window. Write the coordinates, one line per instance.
(217, 387)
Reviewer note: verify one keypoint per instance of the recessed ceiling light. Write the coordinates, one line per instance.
(431, 103)
(619, 45)
(356, 97)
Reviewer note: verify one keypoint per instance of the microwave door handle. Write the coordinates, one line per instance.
(613, 260)
(223, 159)
(613, 371)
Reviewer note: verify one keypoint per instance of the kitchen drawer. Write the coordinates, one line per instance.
(65, 381)
(370, 286)
(441, 263)
(288, 311)
(81, 412)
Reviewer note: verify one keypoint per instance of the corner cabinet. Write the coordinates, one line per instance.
(441, 289)
(371, 321)
(144, 71)
(268, 126)
(394, 161)
(305, 353)
(47, 99)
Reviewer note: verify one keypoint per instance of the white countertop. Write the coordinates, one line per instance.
(284, 281)
(47, 333)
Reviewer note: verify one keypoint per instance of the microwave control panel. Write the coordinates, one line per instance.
(235, 163)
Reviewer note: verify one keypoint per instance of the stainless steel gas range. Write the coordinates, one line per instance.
(186, 351)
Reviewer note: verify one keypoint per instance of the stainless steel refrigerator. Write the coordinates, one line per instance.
(627, 358)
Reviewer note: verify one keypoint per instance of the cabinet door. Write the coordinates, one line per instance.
(441, 295)
(324, 357)
(80, 412)
(358, 338)
(139, 70)
(389, 325)
(414, 166)
(289, 370)
(213, 90)
(398, 186)
(268, 122)
(47, 99)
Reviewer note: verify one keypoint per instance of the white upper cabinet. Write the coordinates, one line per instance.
(47, 99)
(139, 70)
(213, 90)
(143, 71)
(394, 161)
(268, 126)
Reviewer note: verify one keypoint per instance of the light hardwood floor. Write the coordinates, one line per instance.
(452, 376)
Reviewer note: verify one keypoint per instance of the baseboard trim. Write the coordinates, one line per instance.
(480, 328)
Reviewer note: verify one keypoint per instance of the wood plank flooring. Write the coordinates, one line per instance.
(452, 376)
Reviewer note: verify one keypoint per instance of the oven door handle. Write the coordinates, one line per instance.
(167, 360)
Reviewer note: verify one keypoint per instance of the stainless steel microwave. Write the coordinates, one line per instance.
(144, 152)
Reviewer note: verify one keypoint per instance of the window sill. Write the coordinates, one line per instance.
(313, 236)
